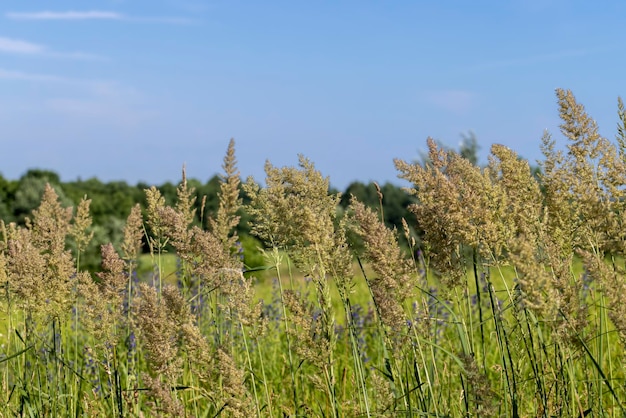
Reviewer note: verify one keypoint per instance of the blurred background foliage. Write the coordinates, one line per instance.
(111, 203)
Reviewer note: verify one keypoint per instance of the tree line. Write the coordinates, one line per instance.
(111, 203)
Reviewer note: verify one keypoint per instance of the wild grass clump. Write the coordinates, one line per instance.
(507, 303)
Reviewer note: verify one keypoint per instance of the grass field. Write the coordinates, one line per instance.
(508, 304)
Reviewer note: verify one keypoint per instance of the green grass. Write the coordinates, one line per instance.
(520, 359)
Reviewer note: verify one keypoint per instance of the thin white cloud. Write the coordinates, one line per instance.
(19, 46)
(99, 100)
(39, 78)
(76, 55)
(93, 15)
(166, 20)
(96, 87)
(456, 101)
(69, 15)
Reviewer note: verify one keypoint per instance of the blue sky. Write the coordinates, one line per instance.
(131, 90)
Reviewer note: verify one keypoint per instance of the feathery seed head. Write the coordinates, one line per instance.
(522, 204)
(50, 222)
(227, 220)
(39, 268)
(393, 283)
(186, 197)
(133, 234)
(113, 279)
(81, 225)
(296, 212)
(310, 344)
(458, 205)
(159, 334)
(156, 203)
(584, 187)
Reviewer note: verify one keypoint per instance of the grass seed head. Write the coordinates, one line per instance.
(585, 186)
(311, 343)
(159, 334)
(227, 220)
(295, 212)
(81, 224)
(133, 234)
(40, 269)
(113, 277)
(99, 315)
(167, 405)
(156, 204)
(394, 281)
(458, 206)
(238, 402)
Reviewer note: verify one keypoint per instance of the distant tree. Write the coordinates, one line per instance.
(537, 173)
(5, 212)
(50, 176)
(395, 204)
(30, 191)
(210, 189)
(469, 147)
(6, 196)
(4, 185)
(168, 190)
(244, 222)
(364, 193)
(395, 200)
(107, 199)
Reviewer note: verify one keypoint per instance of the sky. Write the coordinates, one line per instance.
(133, 89)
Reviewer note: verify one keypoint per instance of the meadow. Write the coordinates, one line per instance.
(507, 303)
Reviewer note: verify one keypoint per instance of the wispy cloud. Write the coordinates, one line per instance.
(19, 46)
(106, 101)
(39, 78)
(166, 20)
(93, 15)
(97, 87)
(456, 101)
(69, 15)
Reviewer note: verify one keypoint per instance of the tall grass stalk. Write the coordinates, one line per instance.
(252, 376)
(389, 366)
(266, 389)
(356, 352)
(276, 260)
